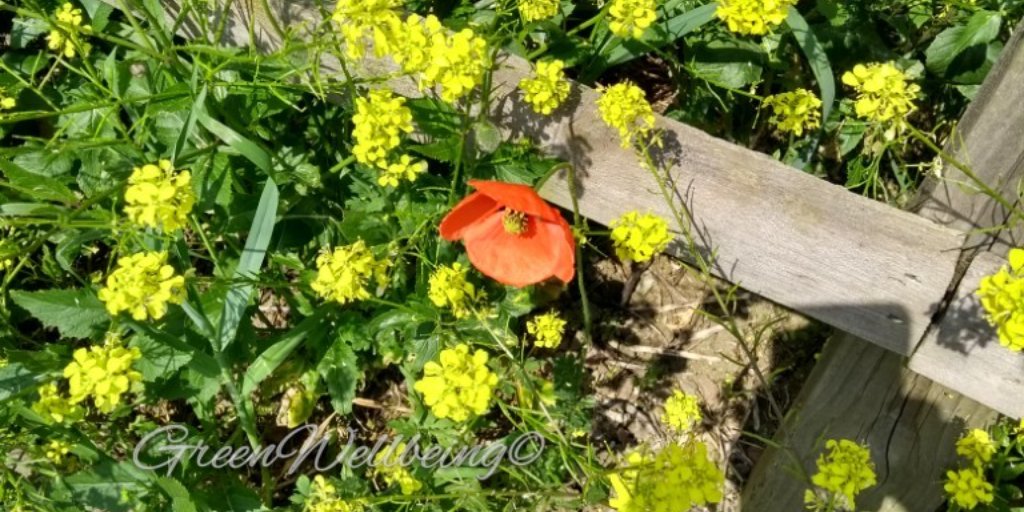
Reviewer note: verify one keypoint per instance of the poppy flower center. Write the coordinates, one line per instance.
(514, 222)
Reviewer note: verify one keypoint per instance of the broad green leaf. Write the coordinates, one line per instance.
(76, 313)
(980, 29)
(729, 63)
(816, 57)
(181, 498)
(15, 378)
(248, 265)
(242, 145)
(159, 360)
(34, 185)
(340, 370)
(103, 485)
(662, 34)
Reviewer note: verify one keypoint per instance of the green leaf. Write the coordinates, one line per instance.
(271, 358)
(181, 499)
(731, 63)
(15, 379)
(159, 360)
(242, 145)
(816, 57)
(102, 486)
(248, 265)
(35, 185)
(190, 122)
(76, 313)
(662, 34)
(340, 370)
(981, 29)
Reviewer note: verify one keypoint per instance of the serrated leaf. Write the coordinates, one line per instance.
(340, 370)
(76, 313)
(980, 29)
(35, 185)
(181, 499)
(159, 360)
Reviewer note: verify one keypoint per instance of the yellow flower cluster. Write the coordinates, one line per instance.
(624, 107)
(682, 412)
(359, 20)
(629, 18)
(884, 93)
(795, 111)
(68, 32)
(449, 287)
(976, 445)
(6, 102)
(753, 17)
(536, 10)
(103, 372)
(968, 488)
(638, 237)
(676, 478)
(56, 450)
(344, 272)
(411, 42)
(325, 498)
(53, 406)
(381, 119)
(456, 63)
(143, 284)
(1002, 297)
(845, 470)
(548, 88)
(459, 386)
(159, 197)
(546, 329)
(404, 168)
(387, 464)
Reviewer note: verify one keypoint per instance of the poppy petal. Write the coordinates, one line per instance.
(517, 197)
(565, 265)
(515, 260)
(471, 209)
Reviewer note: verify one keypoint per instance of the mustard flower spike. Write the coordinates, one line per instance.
(795, 111)
(624, 106)
(845, 470)
(976, 446)
(103, 373)
(403, 168)
(673, 479)
(324, 497)
(6, 102)
(753, 17)
(639, 237)
(159, 197)
(360, 21)
(456, 64)
(388, 465)
(546, 329)
(537, 10)
(54, 407)
(629, 19)
(884, 92)
(381, 120)
(343, 273)
(69, 31)
(1002, 298)
(411, 47)
(682, 412)
(56, 450)
(143, 284)
(548, 88)
(449, 287)
(968, 488)
(458, 385)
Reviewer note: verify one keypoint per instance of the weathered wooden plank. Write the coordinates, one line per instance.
(963, 351)
(788, 236)
(862, 392)
(990, 139)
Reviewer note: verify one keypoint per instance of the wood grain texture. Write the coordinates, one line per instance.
(861, 392)
(963, 351)
(990, 139)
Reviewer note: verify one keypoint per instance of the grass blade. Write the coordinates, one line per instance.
(816, 57)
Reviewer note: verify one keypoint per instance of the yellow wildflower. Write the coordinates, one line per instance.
(546, 329)
(676, 478)
(411, 46)
(380, 121)
(159, 197)
(845, 470)
(459, 386)
(548, 88)
(103, 372)
(638, 237)
(624, 107)
(796, 111)
(387, 464)
(143, 284)
(629, 18)
(67, 34)
(449, 287)
(536, 10)
(55, 407)
(56, 450)
(344, 272)
(360, 20)
(884, 93)
(6, 102)
(976, 445)
(1002, 297)
(682, 412)
(753, 17)
(403, 168)
(968, 488)
(325, 498)
(456, 63)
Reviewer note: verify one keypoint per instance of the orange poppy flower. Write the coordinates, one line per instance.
(511, 234)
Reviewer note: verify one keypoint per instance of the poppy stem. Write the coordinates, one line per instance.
(579, 226)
